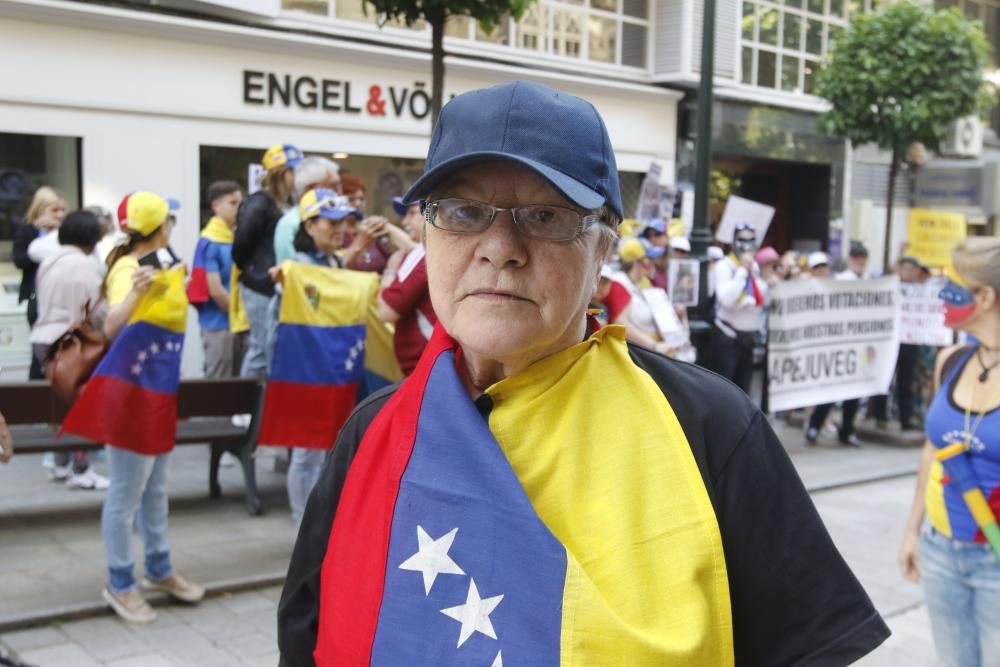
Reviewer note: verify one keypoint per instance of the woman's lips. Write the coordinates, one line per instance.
(497, 296)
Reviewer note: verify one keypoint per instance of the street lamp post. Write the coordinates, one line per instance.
(701, 234)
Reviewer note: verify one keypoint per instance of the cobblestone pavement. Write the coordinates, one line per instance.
(239, 629)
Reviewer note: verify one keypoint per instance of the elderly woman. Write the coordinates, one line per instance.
(529, 495)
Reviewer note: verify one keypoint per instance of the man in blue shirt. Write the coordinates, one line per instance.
(223, 349)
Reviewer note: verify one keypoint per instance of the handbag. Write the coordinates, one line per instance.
(73, 356)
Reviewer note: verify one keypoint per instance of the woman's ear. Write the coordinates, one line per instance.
(986, 298)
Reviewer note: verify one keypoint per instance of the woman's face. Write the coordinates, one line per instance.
(357, 199)
(51, 216)
(328, 235)
(964, 305)
(501, 295)
(413, 222)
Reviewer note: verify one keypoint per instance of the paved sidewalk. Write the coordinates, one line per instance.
(217, 540)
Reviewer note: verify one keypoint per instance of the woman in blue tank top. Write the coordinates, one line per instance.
(958, 484)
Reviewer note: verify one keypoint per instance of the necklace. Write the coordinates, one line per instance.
(985, 374)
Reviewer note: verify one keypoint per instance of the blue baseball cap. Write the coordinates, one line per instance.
(657, 225)
(325, 204)
(560, 137)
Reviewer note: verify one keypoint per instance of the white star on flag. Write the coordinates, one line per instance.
(498, 661)
(142, 356)
(154, 348)
(432, 557)
(474, 615)
(349, 365)
(354, 352)
(136, 369)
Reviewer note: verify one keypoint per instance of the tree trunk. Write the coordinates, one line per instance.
(893, 173)
(436, 16)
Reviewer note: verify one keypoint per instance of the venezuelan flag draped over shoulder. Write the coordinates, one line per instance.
(326, 341)
(131, 400)
(571, 528)
(216, 231)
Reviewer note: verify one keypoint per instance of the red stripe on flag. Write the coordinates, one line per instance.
(305, 415)
(353, 575)
(197, 289)
(125, 415)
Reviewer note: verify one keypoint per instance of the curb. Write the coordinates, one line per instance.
(881, 476)
(100, 608)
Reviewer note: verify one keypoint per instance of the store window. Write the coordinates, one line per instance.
(27, 162)
(615, 32)
(783, 43)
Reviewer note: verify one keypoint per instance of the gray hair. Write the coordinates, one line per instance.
(313, 170)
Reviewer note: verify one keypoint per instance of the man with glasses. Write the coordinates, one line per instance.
(739, 297)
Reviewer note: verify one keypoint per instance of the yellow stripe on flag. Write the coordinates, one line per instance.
(325, 297)
(238, 320)
(937, 511)
(609, 470)
(380, 357)
(164, 303)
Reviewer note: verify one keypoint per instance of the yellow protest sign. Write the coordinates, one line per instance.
(933, 235)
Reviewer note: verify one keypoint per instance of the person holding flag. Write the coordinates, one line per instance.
(739, 300)
(130, 403)
(538, 491)
(319, 356)
(211, 279)
(957, 553)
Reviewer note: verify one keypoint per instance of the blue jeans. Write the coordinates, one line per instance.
(257, 307)
(138, 492)
(962, 590)
(303, 473)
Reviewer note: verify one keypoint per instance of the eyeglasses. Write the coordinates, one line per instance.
(547, 223)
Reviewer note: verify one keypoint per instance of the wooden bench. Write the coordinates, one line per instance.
(204, 415)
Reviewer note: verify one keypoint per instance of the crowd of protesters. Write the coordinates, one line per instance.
(80, 264)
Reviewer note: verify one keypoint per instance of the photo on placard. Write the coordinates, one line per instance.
(683, 278)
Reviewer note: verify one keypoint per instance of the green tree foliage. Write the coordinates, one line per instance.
(489, 14)
(901, 75)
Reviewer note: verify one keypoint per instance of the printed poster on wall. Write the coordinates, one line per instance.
(922, 315)
(933, 235)
(831, 340)
(683, 278)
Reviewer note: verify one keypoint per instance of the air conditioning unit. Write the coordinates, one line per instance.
(963, 138)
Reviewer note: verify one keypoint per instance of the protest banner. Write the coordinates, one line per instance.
(831, 340)
(921, 319)
(683, 278)
(740, 210)
(932, 235)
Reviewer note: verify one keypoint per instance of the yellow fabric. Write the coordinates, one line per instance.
(119, 281)
(165, 302)
(328, 297)
(217, 231)
(607, 467)
(380, 357)
(238, 319)
(979, 508)
(937, 512)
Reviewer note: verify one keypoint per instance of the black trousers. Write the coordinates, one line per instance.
(731, 360)
(849, 410)
(906, 370)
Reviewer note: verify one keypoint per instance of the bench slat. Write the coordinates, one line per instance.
(35, 439)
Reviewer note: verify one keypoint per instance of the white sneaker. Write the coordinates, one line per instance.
(88, 480)
(48, 460)
(228, 460)
(60, 473)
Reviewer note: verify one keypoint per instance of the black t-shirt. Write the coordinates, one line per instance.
(794, 600)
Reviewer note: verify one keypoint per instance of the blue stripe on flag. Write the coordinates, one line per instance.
(458, 478)
(319, 355)
(146, 355)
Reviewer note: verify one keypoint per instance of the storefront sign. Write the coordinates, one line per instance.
(944, 187)
(921, 319)
(933, 235)
(334, 95)
(831, 340)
